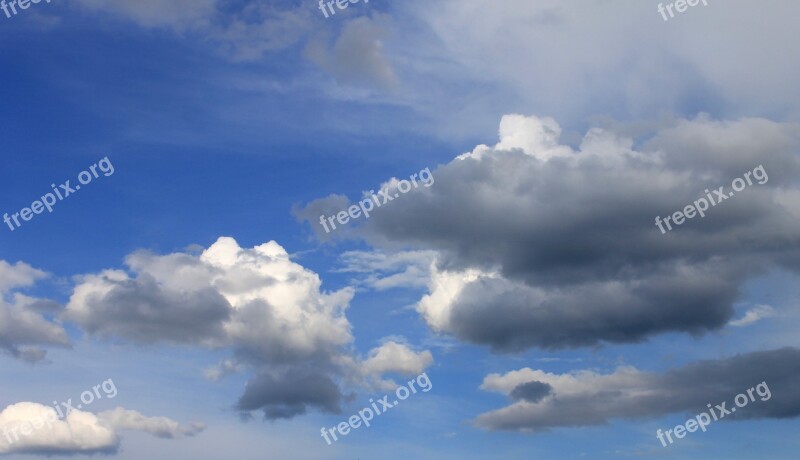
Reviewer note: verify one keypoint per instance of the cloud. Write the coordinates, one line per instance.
(394, 357)
(532, 392)
(162, 427)
(113, 304)
(241, 33)
(587, 398)
(754, 315)
(469, 74)
(357, 57)
(28, 427)
(541, 244)
(178, 14)
(511, 316)
(227, 367)
(271, 312)
(381, 270)
(18, 275)
(24, 325)
(289, 395)
(34, 428)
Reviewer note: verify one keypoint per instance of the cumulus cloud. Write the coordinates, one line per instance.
(33, 428)
(269, 310)
(26, 323)
(586, 398)
(542, 244)
(394, 357)
(287, 395)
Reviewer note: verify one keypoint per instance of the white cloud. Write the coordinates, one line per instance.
(395, 358)
(445, 287)
(32, 427)
(754, 315)
(18, 275)
(256, 299)
(35, 428)
(270, 310)
(537, 137)
(162, 427)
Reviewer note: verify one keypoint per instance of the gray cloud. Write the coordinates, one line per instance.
(289, 395)
(545, 245)
(142, 311)
(587, 398)
(532, 392)
(357, 56)
(26, 323)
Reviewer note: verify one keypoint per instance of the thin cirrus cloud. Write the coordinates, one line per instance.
(545, 245)
(245, 33)
(270, 311)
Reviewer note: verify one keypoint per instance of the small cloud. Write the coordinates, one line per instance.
(754, 315)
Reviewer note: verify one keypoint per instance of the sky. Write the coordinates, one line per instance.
(563, 229)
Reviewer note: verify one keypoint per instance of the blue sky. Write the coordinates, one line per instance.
(233, 124)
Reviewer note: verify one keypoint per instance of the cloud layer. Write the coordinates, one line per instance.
(588, 398)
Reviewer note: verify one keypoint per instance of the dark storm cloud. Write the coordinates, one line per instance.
(566, 238)
(290, 394)
(587, 398)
